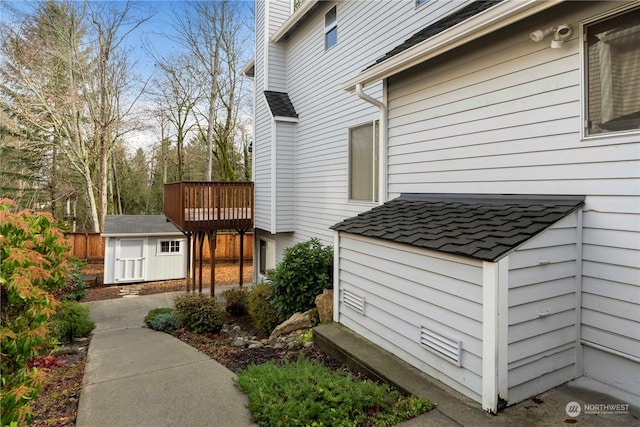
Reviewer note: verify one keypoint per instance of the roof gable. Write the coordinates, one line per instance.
(138, 225)
(485, 227)
(280, 104)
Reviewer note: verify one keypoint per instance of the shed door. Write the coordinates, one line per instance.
(130, 260)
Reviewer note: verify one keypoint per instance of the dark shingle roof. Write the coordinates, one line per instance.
(485, 227)
(138, 224)
(439, 26)
(280, 104)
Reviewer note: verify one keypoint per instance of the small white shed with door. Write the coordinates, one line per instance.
(479, 291)
(143, 248)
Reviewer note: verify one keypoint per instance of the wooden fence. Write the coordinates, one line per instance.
(90, 247)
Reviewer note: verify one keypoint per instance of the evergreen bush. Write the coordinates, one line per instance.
(263, 313)
(236, 301)
(164, 322)
(306, 269)
(72, 321)
(153, 313)
(199, 313)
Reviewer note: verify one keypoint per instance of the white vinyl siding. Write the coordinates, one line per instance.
(284, 176)
(504, 117)
(543, 287)
(404, 289)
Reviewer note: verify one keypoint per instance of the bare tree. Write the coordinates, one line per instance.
(177, 92)
(211, 32)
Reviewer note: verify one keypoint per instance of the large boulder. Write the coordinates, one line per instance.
(324, 302)
(296, 322)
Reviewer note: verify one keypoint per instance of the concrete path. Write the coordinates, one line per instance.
(139, 377)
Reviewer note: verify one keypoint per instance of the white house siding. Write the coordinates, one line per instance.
(406, 288)
(285, 176)
(326, 112)
(504, 116)
(279, 10)
(543, 315)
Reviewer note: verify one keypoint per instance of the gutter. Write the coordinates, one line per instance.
(493, 19)
(382, 143)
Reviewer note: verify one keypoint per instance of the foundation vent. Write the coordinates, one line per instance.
(354, 301)
(446, 347)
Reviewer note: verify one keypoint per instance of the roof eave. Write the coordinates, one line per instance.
(293, 20)
(249, 69)
(493, 19)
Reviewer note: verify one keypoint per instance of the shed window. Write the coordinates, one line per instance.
(330, 28)
(169, 246)
(363, 163)
(612, 54)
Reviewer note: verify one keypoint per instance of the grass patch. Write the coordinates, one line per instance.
(305, 392)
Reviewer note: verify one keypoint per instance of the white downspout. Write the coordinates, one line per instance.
(382, 145)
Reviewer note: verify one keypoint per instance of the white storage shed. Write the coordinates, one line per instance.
(143, 248)
(481, 292)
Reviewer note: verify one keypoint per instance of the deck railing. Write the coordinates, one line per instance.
(202, 206)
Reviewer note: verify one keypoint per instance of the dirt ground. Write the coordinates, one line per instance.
(227, 274)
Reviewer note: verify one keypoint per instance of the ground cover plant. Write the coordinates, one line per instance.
(305, 392)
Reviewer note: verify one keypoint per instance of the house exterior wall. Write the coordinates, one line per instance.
(405, 289)
(503, 115)
(543, 315)
(284, 176)
(326, 112)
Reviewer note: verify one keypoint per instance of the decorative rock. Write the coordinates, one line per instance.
(308, 344)
(324, 302)
(238, 342)
(278, 345)
(255, 345)
(297, 321)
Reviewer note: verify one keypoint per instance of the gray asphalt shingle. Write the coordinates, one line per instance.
(138, 224)
(280, 104)
(485, 227)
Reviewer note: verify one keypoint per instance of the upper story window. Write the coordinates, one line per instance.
(363, 163)
(420, 2)
(330, 28)
(612, 55)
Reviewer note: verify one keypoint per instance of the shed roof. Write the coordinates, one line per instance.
(118, 225)
(280, 104)
(439, 26)
(485, 227)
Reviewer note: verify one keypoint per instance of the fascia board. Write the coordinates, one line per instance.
(293, 20)
(493, 19)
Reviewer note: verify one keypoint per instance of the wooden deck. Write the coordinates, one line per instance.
(200, 210)
(209, 206)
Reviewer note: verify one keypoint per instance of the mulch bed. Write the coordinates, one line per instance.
(57, 404)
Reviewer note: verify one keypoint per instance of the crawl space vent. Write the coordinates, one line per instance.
(446, 347)
(354, 301)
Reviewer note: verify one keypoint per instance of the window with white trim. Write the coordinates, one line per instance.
(331, 28)
(363, 163)
(166, 247)
(612, 56)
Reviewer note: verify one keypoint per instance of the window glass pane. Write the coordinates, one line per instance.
(263, 257)
(164, 247)
(613, 74)
(331, 17)
(331, 38)
(363, 169)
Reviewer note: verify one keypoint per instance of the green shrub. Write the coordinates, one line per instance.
(306, 269)
(306, 392)
(164, 322)
(263, 313)
(72, 321)
(153, 313)
(75, 288)
(199, 313)
(236, 301)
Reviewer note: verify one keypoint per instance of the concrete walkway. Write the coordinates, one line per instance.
(139, 377)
